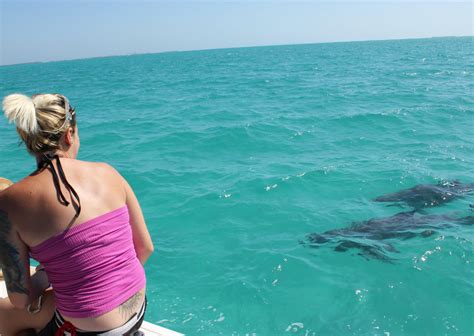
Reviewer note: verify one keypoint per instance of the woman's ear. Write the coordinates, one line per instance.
(69, 136)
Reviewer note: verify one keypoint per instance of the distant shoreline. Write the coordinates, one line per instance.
(230, 48)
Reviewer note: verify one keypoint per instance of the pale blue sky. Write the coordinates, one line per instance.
(45, 30)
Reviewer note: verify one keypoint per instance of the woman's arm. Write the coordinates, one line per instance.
(141, 237)
(39, 280)
(15, 263)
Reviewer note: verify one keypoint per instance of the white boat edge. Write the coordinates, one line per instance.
(149, 329)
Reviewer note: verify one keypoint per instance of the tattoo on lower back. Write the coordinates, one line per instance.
(10, 259)
(129, 307)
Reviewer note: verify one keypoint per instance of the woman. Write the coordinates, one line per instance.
(80, 220)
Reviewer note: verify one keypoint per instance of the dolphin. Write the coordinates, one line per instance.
(428, 195)
(369, 237)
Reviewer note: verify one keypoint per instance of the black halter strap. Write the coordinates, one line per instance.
(47, 161)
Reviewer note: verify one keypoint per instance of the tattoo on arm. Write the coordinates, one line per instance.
(131, 306)
(10, 262)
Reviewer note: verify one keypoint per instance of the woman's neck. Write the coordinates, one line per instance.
(40, 157)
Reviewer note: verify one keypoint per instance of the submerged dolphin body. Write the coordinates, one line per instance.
(369, 236)
(428, 195)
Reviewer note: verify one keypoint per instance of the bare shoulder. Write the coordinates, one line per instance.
(17, 192)
(97, 168)
(106, 169)
(10, 202)
(100, 171)
(4, 200)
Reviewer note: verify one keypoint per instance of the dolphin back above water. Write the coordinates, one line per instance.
(428, 195)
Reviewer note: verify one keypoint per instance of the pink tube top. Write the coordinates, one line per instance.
(92, 267)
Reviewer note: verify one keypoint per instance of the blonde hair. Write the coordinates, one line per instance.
(4, 183)
(40, 120)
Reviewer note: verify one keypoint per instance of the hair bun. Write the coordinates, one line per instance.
(20, 109)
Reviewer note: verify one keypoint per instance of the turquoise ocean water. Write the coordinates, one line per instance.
(238, 154)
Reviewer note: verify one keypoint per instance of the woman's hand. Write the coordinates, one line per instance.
(39, 280)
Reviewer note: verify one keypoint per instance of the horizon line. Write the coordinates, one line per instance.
(236, 47)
